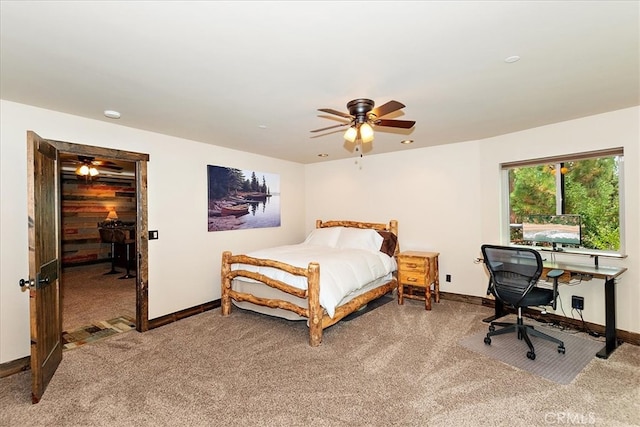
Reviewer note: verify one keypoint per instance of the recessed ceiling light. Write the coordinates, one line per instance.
(262, 126)
(323, 155)
(512, 59)
(112, 114)
(406, 141)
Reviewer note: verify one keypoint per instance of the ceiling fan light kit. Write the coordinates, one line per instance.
(366, 132)
(363, 117)
(88, 167)
(85, 170)
(351, 134)
(363, 132)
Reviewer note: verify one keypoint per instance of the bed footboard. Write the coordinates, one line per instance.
(314, 312)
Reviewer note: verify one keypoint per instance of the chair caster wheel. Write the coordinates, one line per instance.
(492, 328)
(487, 340)
(531, 355)
(561, 349)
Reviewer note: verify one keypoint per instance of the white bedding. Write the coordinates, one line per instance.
(342, 271)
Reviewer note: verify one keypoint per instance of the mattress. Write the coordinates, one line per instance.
(344, 272)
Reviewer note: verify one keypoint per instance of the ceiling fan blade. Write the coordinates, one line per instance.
(404, 124)
(331, 127)
(387, 108)
(336, 112)
(86, 159)
(106, 164)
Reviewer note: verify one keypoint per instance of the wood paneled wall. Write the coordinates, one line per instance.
(84, 205)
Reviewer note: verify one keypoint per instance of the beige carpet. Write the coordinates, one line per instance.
(393, 366)
(89, 296)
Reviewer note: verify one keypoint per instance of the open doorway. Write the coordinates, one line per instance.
(98, 214)
(102, 280)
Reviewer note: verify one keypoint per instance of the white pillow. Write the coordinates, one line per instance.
(359, 238)
(324, 236)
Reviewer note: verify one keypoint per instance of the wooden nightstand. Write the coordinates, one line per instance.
(418, 269)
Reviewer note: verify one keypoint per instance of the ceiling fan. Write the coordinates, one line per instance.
(89, 166)
(363, 116)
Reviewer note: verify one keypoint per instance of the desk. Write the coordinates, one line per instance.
(608, 274)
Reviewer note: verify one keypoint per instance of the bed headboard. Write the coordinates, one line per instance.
(391, 227)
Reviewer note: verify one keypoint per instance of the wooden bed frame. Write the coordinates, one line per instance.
(318, 318)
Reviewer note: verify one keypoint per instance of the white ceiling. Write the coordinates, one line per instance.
(251, 75)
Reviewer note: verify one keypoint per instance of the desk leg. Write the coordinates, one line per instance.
(610, 320)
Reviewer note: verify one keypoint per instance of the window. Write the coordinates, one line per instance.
(585, 186)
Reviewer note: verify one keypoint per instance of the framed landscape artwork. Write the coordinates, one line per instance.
(239, 199)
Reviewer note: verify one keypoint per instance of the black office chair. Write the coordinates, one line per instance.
(514, 274)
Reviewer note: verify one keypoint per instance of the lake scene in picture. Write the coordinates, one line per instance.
(239, 199)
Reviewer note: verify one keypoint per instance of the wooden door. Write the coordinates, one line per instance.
(44, 268)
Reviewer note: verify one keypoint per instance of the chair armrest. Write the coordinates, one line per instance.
(555, 274)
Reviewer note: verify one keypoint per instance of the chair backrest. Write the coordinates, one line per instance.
(514, 271)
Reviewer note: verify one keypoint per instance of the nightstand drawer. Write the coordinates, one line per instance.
(412, 278)
(412, 264)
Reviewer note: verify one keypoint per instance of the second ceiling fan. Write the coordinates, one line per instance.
(363, 116)
(89, 166)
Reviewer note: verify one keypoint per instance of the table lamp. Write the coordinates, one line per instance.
(112, 216)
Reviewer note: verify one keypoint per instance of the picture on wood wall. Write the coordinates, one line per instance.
(240, 199)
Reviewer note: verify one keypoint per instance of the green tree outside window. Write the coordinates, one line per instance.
(587, 187)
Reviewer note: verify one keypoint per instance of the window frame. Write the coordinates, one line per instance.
(505, 227)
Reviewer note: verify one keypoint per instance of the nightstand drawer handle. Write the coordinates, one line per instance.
(412, 265)
(411, 279)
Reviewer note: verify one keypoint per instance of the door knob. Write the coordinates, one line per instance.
(26, 284)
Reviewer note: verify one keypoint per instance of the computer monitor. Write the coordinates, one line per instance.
(553, 229)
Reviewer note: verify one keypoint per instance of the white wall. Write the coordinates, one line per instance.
(447, 199)
(184, 263)
(427, 190)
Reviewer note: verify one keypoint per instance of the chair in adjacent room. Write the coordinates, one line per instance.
(515, 272)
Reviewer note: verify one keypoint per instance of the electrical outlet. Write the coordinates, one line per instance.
(448, 278)
(577, 302)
